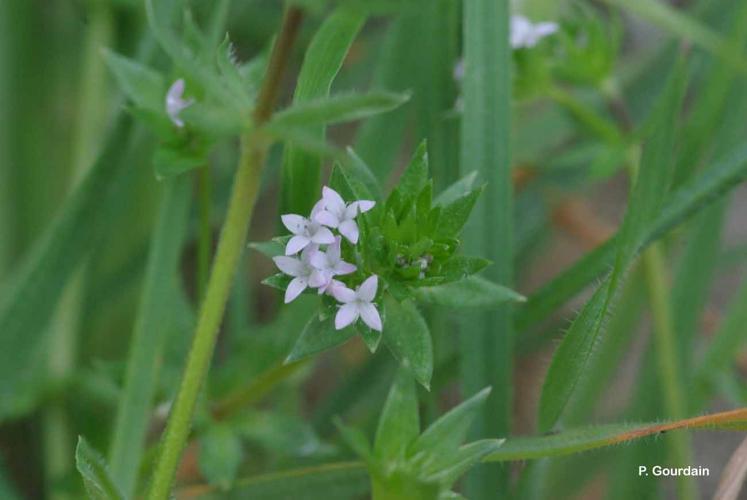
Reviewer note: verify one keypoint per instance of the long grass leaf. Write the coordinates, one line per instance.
(487, 339)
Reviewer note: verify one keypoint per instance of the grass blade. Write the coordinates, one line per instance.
(486, 343)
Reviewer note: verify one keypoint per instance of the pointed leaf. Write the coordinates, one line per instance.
(415, 176)
(473, 291)
(460, 188)
(455, 214)
(92, 468)
(141, 84)
(319, 336)
(406, 335)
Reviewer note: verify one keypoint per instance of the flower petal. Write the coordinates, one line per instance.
(367, 290)
(319, 261)
(319, 279)
(332, 200)
(370, 316)
(346, 315)
(289, 265)
(327, 218)
(295, 223)
(294, 289)
(349, 229)
(342, 293)
(318, 207)
(343, 267)
(323, 236)
(358, 207)
(296, 244)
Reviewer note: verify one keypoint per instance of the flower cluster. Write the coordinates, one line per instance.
(313, 258)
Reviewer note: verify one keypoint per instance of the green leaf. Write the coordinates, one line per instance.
(415, 176)
(574, 352)
(301, 166)
(406, 335)
(278, 281)
(455, 214)
(141, 84)
(220, 456)
(320, 482)
(337, 109)
(457, 190)
(27, 305)
(370, 337)
(92, 468)
(399, 423)
(356, 440)
(270, 249)
(318, 336)
(460, 267)
(445, 435)
(147, 344)
(473, 291)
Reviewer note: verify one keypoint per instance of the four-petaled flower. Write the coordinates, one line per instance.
(335, 213)
(304, 274)
(330, 264)
(526, 34)
(306, 231)
(358, 304)
(175, 102)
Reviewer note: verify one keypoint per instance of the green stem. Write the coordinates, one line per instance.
(230, 246)
(669, 368)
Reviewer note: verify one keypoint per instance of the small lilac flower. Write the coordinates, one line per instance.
(306, 231)
(304, 274)
(336, 213)
(330, 263)
(175, 102)
(525, 34)
(358, 304)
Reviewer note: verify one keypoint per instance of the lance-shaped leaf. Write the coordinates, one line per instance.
(141, 84)
(572, 356)
(317, 336)
(406, 335)
(92, 468)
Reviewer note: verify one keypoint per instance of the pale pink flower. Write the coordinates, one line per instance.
(525, 34)
(358, 304)
(306, 231)
(175, 102)
(330, 263)
(335, 213)
(304, 274)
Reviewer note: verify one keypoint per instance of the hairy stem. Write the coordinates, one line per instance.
(230, 246)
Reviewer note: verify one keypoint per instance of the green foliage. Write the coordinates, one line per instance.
(408, 464)
(220, 455)
(93, 469)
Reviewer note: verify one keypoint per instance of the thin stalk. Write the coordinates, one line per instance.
(58, 437)
(669, 370)
(230, 246)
